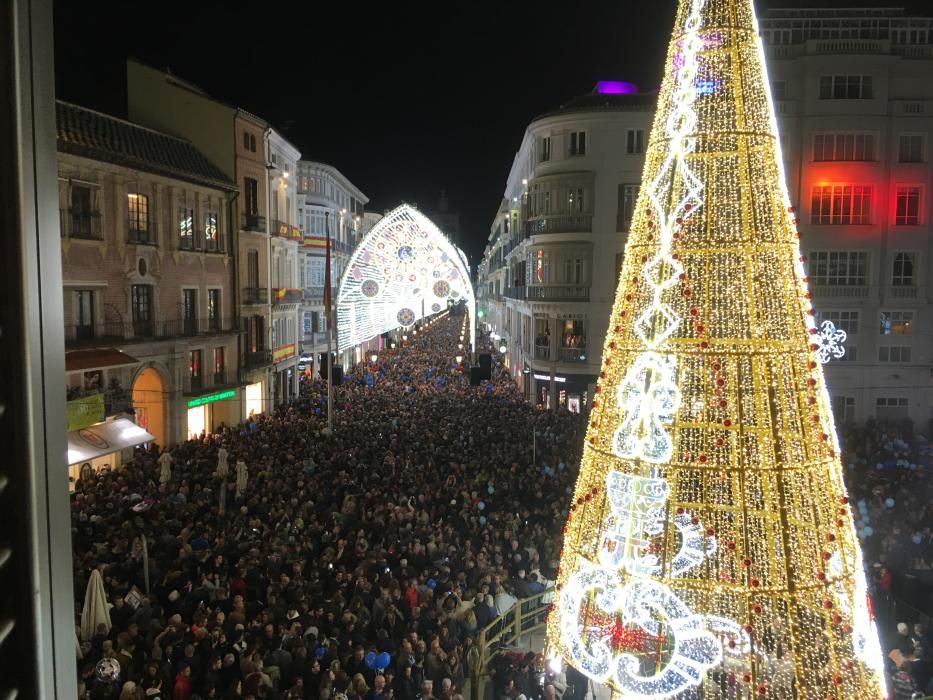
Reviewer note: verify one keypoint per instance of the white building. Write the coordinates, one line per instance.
(551, 266)
(285, 242)
(854, 97)
(326, 198)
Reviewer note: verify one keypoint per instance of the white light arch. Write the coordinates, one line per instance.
(403, 270)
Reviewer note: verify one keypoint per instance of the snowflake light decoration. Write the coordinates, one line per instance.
(830, 341)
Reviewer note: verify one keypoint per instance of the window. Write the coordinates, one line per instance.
(635, 141)
(894, 353)
(907, 212)
(778, 90)
(838, 268)
(841, 204)
(903, 275)
(844, 408)
(628, 193)
(890, 408)
(547, 202)
(137, 206)
(189, 310)
(141, 299)
(186, 228)
(252, 268)
(578, 271)
(845, 87)
(84, 314)
(896, 322)
(910, 148)
(83, 212)
(252, 143)
(545, 152)
(211, 232)
(220, 365)
(575, 200)
(194, 369)
(843, 320)
(246, 140)
(578, 143)
(213, 309)
(829, 147)
(251, 190)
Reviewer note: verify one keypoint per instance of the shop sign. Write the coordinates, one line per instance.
(85, 411)
(547, 378)
(571, 317)
(211, 398)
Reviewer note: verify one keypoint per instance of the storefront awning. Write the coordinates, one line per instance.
(98, 358)
(104, 438)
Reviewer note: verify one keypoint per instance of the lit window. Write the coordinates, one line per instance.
(896, 322)
(841, 204)
(137, 209)
(186, 228)
(211, 231)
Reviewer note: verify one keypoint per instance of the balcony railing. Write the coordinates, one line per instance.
(257, 358)
(902, 292)
(254, 222)
(852, 291)
(142, 236)
(138, 331)
(557, 293)
(285, 295)
(217, 380)
(542, 352)
(571, 354)
(116, 398)
(314, 295)
(315, 339)
(254, 295)
(569, 223)
(515, 293)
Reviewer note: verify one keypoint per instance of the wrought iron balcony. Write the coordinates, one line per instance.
(254, 222)
(571, 354)
(559, 223)
(118, 332)
(255, 295)
(284, 295)
(555, 292)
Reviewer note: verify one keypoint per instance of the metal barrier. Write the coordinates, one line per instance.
(526, 616)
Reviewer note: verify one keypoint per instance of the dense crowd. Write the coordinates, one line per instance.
(357, 565)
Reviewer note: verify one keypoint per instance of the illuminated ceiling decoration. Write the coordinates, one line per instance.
(710, 530)
(403, 270)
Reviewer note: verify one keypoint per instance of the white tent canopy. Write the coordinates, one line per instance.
(403, 270)
(104, 438)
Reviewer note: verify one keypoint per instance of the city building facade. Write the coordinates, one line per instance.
(149, 277)
(550, 268)
(326, 200)
(854, 100)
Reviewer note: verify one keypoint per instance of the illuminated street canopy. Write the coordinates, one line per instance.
(403, 270)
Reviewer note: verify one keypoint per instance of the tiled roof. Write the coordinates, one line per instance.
(84, 132)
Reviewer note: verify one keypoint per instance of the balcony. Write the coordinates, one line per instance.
(557, 293)
(840, 291)
(254, 222)
(571, 354)
(218, 380)
(313, 295)
(257, 359)
(254, 295)
(282, 229)
(116, 398)
(902, 292)
(118, 332)
(314, 339)
(542, 352)
(570, 223)
(515, 293)
(283, 295)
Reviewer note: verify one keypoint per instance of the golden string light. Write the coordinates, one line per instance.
(710, 541)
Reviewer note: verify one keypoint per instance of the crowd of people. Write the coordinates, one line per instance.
(357, 565)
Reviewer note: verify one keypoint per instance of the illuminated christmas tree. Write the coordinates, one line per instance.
(709, 550)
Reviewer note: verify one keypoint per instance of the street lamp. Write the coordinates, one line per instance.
(460, 346)
(393, 346)
(503, 349)
(373, 358)
(404, 338)
(459, 359)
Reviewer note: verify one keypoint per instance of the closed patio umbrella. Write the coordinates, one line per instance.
(241, 475)
(165, 462)
(222, 466)
(95, 609)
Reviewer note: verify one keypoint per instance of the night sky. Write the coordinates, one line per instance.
(404, 98)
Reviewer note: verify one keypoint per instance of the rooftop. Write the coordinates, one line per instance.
(84, 132)
(597, 102)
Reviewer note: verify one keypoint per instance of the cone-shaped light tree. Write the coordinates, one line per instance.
(710, 550)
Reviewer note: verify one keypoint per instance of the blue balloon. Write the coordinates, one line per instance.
(370, 660)
(917, 538)
(481, 505)
(320, 652)
(491, 490)
(432, 584)
(869, 532)
(889, 502)
(383, 660)
(482, 520)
